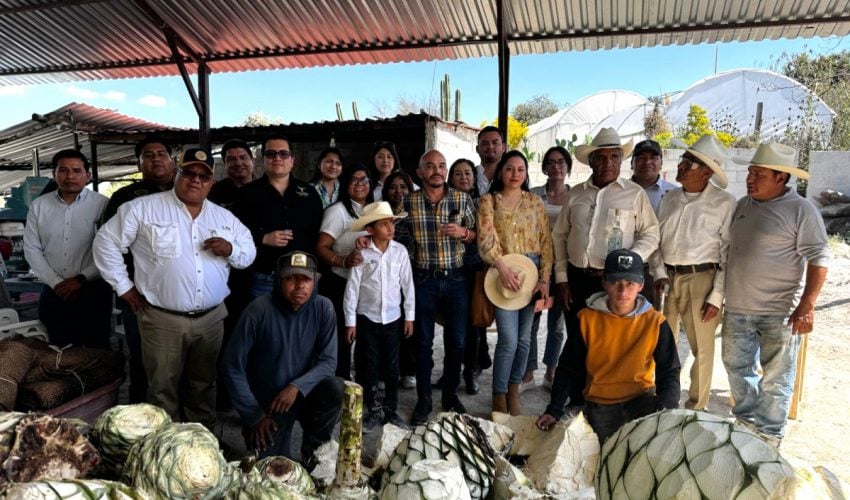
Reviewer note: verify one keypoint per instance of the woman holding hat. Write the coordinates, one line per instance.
(336, 247)
(514, 238)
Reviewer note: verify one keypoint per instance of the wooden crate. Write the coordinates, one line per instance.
(89, 406)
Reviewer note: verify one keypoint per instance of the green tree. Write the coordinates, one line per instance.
(828, 76)
(535, 109)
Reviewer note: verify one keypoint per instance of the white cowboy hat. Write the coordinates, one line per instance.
(605, 139)
(375, 212)
(777, 157)
(713, 154)
(510, 300)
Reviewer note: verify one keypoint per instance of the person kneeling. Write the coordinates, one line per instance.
(631, 359)
(280, 362)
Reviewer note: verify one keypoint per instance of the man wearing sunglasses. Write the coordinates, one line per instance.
(283, 213)
(691, 259)
(183, 248)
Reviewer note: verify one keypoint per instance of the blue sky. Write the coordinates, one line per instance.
(308, 95)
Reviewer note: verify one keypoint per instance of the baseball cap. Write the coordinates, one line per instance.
(623, 265)
(196, 156)
(297, 263)
(647, 145)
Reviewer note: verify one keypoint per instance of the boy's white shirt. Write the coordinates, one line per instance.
(375, 287)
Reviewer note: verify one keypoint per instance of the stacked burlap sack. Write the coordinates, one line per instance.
(37, 376)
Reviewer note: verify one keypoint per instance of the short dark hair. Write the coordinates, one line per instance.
(151, 140)
(498, 184)
(317, 175)
(233, 144)
(275, 137)
(70, 153)
(564, 153)
(491, 128)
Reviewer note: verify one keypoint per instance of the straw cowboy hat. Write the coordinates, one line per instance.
(606, 138)
(710, 151)
(777, 157)
(375, 212)
(508, 299)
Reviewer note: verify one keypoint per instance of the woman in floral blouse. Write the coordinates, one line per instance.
(511, 220)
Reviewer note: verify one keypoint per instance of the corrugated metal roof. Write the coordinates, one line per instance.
(55, 131)
(45, 41)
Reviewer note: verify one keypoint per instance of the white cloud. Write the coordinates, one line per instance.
(153, 101)
(114, 95)
(82, 93)
(13, 90)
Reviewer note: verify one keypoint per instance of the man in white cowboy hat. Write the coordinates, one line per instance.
(776, 237)
(603, 213)
(691, 259)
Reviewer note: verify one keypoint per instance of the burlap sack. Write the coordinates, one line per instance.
(16, 358)
(65, 386)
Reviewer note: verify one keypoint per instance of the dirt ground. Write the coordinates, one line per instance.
(819, 435)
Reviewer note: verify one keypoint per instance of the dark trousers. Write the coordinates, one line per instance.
(138, 390)
(582, 286)
(376, 353)
(317, 413)
(333, 287)
(84, 322)
(239, 283)
(451, 297)
(607, 419)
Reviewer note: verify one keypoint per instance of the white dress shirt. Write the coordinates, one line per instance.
(173, 271)
(336, 223)
(58, 236)
(581, 231)
(695, 230)
(375, 287)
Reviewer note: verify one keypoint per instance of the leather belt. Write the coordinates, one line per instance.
(440, 273)
(589, 271)
(185, 314)
(693, 268)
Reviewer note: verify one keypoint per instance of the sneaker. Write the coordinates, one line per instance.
(452, 403)
(524, 386)
(421, 412)
(393, 418)
(371, 421)
(408, 382)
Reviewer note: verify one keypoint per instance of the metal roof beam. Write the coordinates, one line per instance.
(4, 11)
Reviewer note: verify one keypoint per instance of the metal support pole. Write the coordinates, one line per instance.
(204, 111)
(504, 56)
(95, 177)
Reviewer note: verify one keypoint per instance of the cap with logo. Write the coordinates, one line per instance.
(297, 263)
(647, 145)
(195, 156)
(623, 265)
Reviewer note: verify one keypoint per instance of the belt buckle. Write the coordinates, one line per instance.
(441, 273)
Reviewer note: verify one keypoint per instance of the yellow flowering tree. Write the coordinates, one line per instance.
(517, 131)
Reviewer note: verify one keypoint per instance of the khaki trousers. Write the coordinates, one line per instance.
(684, 303)
(175, 347)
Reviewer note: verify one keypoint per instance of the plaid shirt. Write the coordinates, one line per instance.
(428, 248)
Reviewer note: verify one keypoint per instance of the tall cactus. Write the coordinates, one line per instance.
(457, 105)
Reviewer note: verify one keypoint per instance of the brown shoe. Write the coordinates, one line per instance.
(513, 400)
(500, 403)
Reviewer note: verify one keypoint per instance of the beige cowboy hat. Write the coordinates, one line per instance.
(605, 139)
(709, 150)
(375, 212)
(508, 299)
(777, 157)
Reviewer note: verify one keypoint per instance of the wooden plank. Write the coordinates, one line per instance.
(798, 378)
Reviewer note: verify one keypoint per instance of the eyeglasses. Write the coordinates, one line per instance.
(271, 154)
(191, 175)
(690, 162)
(359, 180)
(561, 162)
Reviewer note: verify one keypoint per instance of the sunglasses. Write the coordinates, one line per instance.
(690, 162)
(271, 154)
(191, 175)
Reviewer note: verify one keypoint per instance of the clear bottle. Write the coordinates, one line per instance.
(615, 235)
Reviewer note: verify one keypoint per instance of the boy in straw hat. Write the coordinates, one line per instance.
(776, 236)
(691, 260)
(628, 348)
(373, 315)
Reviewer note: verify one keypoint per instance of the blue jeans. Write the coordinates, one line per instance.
(749, 341)
(511, 356)
(261, 284)
(555, 333)
(450, 296)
